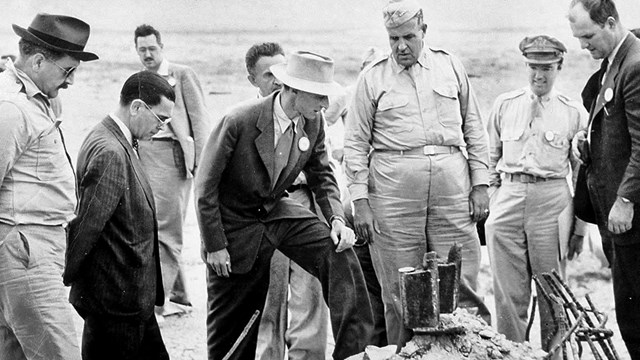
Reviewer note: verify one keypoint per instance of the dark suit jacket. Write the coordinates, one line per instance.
(112, 259)
(233, 191)
(614, 169)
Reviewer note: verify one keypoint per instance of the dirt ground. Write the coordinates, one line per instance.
(489, 53)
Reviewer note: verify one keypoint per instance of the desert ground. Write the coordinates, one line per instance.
(213, 36)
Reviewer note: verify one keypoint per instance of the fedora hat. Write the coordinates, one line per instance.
(61, 33)
(309, 72)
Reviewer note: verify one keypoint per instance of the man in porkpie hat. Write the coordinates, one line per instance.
(529, 229)
(37, 190)
(416, 191)
(253, 155)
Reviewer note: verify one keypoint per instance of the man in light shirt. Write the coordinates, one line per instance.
(416, 191)
(37, 190)
(530, 132)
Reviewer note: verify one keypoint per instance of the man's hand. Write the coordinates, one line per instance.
(363, 220)
(576, 144)
(479, 203)
(220, 261)
(620, 216)
(575, 246)
(342, 236)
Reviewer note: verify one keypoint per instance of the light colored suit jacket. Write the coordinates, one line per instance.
(233, 191)
(191, 121)
(112, 259)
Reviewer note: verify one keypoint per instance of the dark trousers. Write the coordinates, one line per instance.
(379, 333)
(626, 292)
(109, 337)
(232, 301)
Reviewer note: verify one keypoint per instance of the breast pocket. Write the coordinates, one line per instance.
(51, 159)
(448, 105)
(393, 112)
(555, 149)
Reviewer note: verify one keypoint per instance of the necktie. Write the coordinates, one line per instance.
(536, 109)
(134, 144)
(282, 151)
(603, 70)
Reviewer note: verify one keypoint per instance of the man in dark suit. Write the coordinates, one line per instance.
(170, 158)
(112, 259)
(611, 150)
(253, 155)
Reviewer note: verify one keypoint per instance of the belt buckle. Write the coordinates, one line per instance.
(528, 179)
(428, 150)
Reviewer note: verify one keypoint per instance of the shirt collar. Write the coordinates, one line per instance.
(615, 51)
(125, 130)
(30, 88)
(423, 60)
(163, 69)
(544, 98)
(281, 118)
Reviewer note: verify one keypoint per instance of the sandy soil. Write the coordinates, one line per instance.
(490, 55)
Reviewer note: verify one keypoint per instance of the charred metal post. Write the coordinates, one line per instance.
(420, 294)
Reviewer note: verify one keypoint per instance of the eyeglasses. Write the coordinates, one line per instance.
(67, 72)
(161, 123)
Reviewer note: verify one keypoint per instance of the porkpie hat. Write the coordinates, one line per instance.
(308, 72)
(61, 33)
(542, 49)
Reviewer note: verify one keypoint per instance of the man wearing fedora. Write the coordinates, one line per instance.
(37, 191)
(170, 159)
(528, 230)
(253, 155)
(412, 188)
(295, 315)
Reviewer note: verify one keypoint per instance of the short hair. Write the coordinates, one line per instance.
(599, 10)
(28, 48)
(146, 86)
(259, 50)
(146, 30)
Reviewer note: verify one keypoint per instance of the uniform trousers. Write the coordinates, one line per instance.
(304, 329)
(163, 163)
(421, 204)
(233, 300)
(36, 319)
(523, 241)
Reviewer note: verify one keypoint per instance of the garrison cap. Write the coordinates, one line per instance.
(398, 12)
(542, 49)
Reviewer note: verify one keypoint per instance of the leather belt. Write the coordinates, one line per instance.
(295, 187)
(426, 150)
(526, 178)
(164, 139)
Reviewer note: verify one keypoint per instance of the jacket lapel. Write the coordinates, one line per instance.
(264, 141)
(612, 74)
(294, 155)
(110, 124)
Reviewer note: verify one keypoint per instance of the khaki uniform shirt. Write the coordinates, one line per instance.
(37, 184)
(394, 108)
(521, 142)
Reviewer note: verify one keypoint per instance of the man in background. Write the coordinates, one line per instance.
(170, 158)
(610, 150)
(530, 132)
(37, 190)
(113, 262)
(292, 290)
(412, 188)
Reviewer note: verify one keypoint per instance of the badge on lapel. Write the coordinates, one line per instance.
(303, 144)
(171, 80)
(608, 95)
